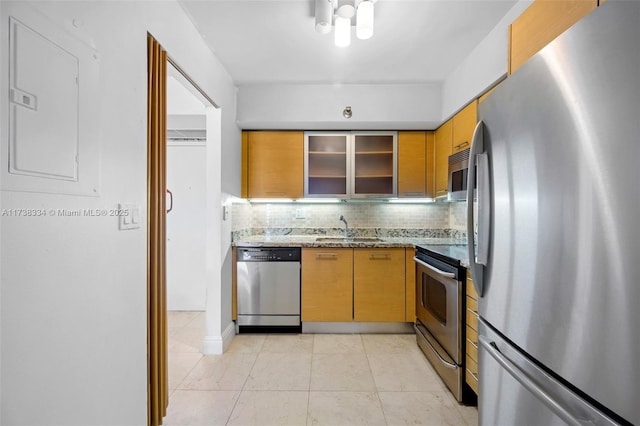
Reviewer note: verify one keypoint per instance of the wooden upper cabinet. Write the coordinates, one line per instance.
(374, 164)
(379, 284)
(274, 164)
(327, 284)
(540, 23)
(415, 164)
(444, 138)
(464, 123)
(486, 94)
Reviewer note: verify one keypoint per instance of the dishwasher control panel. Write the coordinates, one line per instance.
(268, 254)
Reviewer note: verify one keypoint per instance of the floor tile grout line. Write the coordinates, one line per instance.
(242, 389)
(188, 372)
(313, 343)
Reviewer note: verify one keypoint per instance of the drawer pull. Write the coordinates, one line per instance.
(383, 256)
(326, 256)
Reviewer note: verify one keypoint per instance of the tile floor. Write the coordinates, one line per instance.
(304, 379)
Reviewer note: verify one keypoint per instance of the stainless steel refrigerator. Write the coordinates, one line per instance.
(555, 236)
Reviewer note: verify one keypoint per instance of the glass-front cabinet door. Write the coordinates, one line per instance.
(350, 164)
(326, 164)
(374, 164)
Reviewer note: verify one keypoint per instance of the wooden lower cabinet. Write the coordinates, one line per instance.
(379, 284)
(471, 373)
(327, 284)
(410, 286)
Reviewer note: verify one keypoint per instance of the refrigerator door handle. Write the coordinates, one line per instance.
(478, 158)
(434, 269)
(529, 384)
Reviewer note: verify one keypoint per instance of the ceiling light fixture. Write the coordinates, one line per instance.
(340, 14)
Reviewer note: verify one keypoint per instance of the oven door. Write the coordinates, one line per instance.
(439, 304)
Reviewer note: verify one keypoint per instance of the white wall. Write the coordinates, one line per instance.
(379, 106)
(73, 289)
(317, 106)
(484, 66)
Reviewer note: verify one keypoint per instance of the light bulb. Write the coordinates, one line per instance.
(324, 13)
(364, 20)
(343, 32)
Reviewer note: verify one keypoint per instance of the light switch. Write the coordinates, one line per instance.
(128, 216)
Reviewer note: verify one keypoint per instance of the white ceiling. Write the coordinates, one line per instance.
(274, 41)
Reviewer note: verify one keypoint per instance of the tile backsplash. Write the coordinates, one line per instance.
(358, 215)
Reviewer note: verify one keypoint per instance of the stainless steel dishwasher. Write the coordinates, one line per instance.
(268, 280)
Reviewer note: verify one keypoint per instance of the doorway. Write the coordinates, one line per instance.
(186, 192)
(159, 374)
(186, 168)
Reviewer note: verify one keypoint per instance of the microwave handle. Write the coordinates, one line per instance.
(478, 158)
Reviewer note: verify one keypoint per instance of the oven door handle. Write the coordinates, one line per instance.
(434, 269)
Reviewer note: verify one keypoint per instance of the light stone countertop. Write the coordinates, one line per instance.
(306, 240)
(321, 241)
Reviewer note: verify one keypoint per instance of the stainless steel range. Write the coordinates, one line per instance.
(439, 308)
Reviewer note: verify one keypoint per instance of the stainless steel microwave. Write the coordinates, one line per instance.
(458, 170)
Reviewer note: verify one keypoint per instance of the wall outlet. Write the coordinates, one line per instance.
(300, 214)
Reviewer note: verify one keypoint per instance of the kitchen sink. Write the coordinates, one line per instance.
(349, 240)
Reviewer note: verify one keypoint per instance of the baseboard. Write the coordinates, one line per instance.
(216, 345)
(358, 327)
(228, 334)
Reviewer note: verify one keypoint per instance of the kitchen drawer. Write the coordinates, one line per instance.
(472, 365)
(472, 319)
(472, 304)
(472, 380)
(472, 350)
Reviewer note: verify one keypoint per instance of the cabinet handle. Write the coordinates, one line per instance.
(326, 256)
(382, 256)
(465, 143)
(413, 194)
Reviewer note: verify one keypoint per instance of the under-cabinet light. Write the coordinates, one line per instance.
(270, 200)
(318, 200)
(412, 200)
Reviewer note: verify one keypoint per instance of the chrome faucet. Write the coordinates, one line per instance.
(346, 226)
